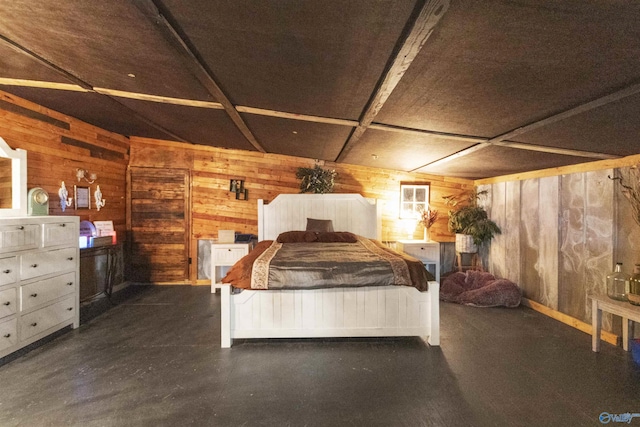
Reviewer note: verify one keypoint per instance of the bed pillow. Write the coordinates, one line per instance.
(336, 237)
(325, 225)
(297, 237)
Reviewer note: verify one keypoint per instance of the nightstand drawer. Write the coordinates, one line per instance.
(228, 255)
(423, 252)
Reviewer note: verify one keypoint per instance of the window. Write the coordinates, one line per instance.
(414, 198)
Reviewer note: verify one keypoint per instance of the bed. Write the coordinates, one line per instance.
(369, 311)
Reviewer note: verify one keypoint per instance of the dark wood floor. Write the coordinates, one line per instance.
(154, 360)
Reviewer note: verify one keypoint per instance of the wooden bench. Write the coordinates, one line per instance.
(629, 313)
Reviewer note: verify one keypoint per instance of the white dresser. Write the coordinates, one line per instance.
(39, 278)
(427, 252)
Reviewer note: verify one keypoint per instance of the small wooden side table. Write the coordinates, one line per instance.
(628, 312)
(223, 256)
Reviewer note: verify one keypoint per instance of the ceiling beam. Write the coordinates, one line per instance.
(197, 66)
(421, 28)
(502, 139)
(479, 142)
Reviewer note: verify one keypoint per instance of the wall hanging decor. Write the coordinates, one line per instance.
(237, 186)
(63, 194)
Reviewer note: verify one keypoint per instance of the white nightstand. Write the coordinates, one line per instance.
(223, 256)
(427, 252)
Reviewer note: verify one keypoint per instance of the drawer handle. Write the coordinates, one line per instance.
(21, 227)
(34, 295)
(63, 225)
(7, 335)
(34, 265)
(69, 283)
(6, 303)
(6, 271)
(34, 324)
(70, 258)
(70, 308)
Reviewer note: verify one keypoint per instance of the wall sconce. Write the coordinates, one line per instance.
(65, 200)
(100, 202)
(83, 173)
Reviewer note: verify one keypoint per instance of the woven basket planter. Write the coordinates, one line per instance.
(465, 245)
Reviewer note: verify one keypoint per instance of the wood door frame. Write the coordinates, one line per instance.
(188, 244)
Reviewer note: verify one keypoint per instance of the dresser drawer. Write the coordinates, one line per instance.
(228, 256)
(8, 333)
(8, 270)
(39, 321)
(47, 262)
(43, 291)
(19, 237)
(8, 302)
(427, 251)
(59, 233)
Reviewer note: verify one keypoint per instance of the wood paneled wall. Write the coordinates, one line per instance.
(265, 176)
(57, 145)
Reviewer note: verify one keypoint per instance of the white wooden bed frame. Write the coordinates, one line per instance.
(338, 312)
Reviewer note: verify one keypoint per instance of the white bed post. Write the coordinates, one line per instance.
(434, 314)
(225, 316)
(260, 220)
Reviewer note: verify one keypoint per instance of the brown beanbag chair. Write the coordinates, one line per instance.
(479, 289)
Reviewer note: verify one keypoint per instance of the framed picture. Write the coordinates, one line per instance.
(82, 196)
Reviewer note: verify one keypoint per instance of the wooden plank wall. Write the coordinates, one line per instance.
(5, 184)
(214, 207)
(57, 145)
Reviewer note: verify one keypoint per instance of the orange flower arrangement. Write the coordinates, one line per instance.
(428, 217)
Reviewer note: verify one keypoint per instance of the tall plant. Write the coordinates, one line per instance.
(467, 217)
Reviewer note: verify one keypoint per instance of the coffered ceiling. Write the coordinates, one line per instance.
(460, 88)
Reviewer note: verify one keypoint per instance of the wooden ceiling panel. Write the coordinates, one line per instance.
(298, 138)
(494, 66)
(401, 151)
(612, 129)
(101, 43)
(195, 125)
(91, 108)
(497, 160)
(302, 56)
(16, 65)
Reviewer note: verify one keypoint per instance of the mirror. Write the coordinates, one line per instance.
(13, 181)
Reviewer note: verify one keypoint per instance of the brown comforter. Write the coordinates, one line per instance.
(365, 263)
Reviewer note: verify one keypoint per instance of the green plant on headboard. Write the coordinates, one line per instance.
(316, 180)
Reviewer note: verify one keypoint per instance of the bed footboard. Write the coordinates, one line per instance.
(337, 312)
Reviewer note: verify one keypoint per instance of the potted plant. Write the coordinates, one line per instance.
(470, 222)
(316, 180)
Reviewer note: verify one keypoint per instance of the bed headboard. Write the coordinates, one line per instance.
(349, 212)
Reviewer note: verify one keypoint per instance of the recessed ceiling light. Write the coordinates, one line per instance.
(133, 76)
(295, 132)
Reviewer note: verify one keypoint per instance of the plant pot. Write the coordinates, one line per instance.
(465, 245)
